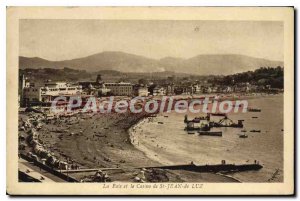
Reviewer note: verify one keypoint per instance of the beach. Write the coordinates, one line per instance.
(103, 141)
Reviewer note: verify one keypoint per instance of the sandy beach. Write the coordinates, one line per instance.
(103, 141)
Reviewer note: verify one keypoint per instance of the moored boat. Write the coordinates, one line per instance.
(211, 133)
(254, 110)
(243, 136)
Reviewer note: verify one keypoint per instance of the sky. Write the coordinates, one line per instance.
(68, 39)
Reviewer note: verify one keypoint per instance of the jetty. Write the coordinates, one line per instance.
(213, 168)
(189, 167)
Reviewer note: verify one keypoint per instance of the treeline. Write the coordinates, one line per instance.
(262, 76)
(65, 74)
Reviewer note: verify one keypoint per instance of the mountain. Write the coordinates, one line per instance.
(218, 64)
(124, 62)
(118, 61)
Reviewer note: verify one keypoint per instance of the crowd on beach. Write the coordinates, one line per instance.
(39, 153)
(35, 126)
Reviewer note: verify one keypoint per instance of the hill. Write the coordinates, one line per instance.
(124, 62)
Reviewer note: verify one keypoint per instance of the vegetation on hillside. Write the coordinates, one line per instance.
(262, 76)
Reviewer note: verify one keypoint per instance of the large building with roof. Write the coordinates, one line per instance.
(48, 92)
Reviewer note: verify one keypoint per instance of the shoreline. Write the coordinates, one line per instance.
(107, 140)
(154, 156)
(113, 151)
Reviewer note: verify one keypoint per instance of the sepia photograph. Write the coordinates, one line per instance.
(152, 104)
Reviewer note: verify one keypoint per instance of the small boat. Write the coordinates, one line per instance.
(160, 122)
(255, 131)
(190, 132)
(211, 133)
(254, 117)
(243, 136)
(218, 114)
(166, 116)
(254, 110)
(244, 131)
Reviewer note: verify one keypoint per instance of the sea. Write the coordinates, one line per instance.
(164, 139)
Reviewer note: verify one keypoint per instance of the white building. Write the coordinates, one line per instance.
(49, 91)
(197, 89)
(142, 91)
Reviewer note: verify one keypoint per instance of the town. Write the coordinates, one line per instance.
(42, 93)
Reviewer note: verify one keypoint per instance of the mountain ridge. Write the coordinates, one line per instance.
(203, 64)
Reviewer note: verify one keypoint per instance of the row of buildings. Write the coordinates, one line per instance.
(32, 93)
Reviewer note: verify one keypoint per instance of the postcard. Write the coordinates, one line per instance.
(150, 100)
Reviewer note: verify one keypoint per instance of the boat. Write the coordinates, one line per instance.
(211, 133)
(218, 114)
(160, 122)
(196, 124)
(190, 132)
(254, 117)
(255, 131)
(254, 110)
(243, 136)
(244, 131)
(226, 122)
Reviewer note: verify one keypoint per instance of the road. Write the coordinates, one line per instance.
(37, 173)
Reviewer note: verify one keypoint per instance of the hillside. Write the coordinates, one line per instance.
(124, 62)
(262, 76)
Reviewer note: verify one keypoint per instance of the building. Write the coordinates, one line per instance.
(170, 89)
(197, 89)
(141, 90)
(23, 83)
(50, 90)
(184, 90)
(159, 91)
(95, 88)
(101, 88)
(120, 88)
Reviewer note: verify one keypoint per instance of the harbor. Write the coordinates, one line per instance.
(169, 143)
